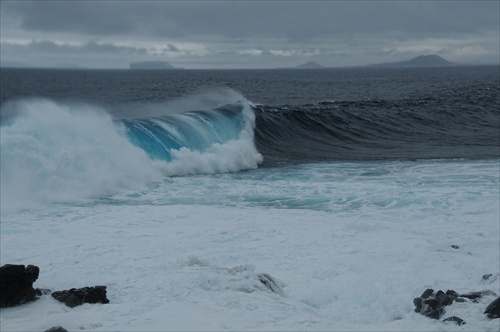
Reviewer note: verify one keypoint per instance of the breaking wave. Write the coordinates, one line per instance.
(54, 152)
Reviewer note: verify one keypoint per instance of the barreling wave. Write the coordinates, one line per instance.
(209, 141)
(53, 152)
(429, 128)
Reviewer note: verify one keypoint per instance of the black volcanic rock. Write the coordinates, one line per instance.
(75, 297)
(16, 284)
(459, 321)
(431, 304)
(422, 61)
(271, 283)
(493, 309)
(56, 329)
(477, 295)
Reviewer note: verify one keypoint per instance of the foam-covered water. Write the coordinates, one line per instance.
(351, 245)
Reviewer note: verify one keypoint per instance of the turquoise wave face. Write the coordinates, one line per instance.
(194, 130)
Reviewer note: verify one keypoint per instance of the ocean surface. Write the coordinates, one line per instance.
(343, 184)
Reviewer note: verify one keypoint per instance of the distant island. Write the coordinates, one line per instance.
(421, 61)
(432, 60)
(152, 65)
(310, 65)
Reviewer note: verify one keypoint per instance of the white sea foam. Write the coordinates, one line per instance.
(382, 235)
(58, 153)
(231, 156)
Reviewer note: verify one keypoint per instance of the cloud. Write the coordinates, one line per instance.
(172, 48)
(294, 20)
(263, 34)
(45, 53)
(91, 47)
(89, 17)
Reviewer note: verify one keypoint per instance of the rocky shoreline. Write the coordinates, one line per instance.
(432, 304)
(16, 288)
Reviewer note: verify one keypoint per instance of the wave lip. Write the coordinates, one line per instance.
(159, 137)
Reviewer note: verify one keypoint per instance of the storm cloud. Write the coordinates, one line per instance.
(250, 34)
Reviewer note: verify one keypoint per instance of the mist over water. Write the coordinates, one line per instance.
(52, 153)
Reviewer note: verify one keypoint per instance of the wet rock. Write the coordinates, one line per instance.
(452, 293)
(271, 283)
(42, 291)
(493, 309)
(56, 329)
(444, 298)
(487, 276)
(418, 301)
(75, 297)
(490, 278)
(431, 304)
(16, 284)
(478, 295)
(427, 293)
(459, 321)
(432, 309)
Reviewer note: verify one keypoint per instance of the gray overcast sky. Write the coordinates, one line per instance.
(245, 34)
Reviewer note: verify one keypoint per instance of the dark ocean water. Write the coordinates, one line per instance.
(301, 115)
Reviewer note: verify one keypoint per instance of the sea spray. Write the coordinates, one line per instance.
(58, 153)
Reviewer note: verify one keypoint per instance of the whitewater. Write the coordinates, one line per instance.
(179, 209)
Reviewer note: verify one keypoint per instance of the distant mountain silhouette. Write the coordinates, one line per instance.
(152, 65)
(432, 60)
(310, 65)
